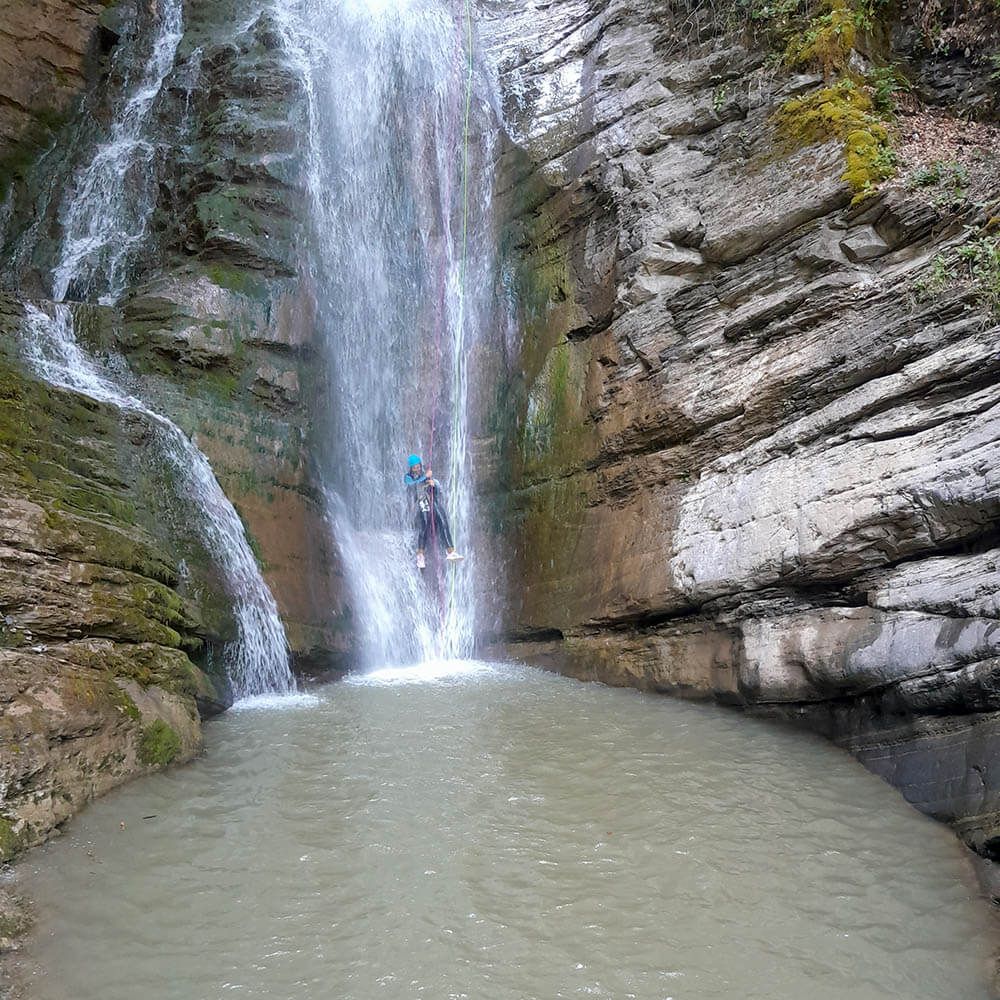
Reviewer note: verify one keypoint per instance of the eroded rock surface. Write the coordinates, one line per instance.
(46, 49)
(113, 616)
(98, 635)
(754, 460)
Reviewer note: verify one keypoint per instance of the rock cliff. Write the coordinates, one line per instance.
(756, 446)
(113, 613)
(96, 638)
(742, 445)
(47, 50)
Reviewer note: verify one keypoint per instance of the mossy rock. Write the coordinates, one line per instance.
(154, 666)
(15, 925)
(827, 41)
(61, 450)
(547, 404)
(159, 744)
(106, 499)
(121, 700)
(843, 112)
(237, 279)
(10, 842)
(36, 138)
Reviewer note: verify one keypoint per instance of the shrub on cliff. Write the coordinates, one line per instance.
(975, 264)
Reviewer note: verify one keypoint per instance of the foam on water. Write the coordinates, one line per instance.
(275, 702)
(428, 672)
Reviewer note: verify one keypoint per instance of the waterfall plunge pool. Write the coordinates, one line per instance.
(489, 831)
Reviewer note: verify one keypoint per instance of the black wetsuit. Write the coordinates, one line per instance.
(432, 521)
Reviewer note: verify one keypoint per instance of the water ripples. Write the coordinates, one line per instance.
(462, 829)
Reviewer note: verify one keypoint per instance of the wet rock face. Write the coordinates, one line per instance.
(753, 460)
(216, 326)
(99, 638)
(219, 326)
(46, 47)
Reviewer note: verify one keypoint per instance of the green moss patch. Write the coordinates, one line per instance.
(807, 35)
(151, 665)
(10, 842)
(121, 700)
(159, 744)
(14, 925)
(236, 279)
(61, 450)
(827, 41)
(843, 112)
(547, 403)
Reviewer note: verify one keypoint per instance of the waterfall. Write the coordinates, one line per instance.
(112, 196)
(104, 216)
(397, 300)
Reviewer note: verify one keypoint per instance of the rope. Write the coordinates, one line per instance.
(465, 158)
(443, 271)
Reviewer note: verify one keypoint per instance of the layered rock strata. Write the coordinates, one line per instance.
(114, 616)
(98, 639)
(756, 448)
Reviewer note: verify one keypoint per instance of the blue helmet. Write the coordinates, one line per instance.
(414, 460)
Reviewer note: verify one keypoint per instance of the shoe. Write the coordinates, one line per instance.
(453, 556)
(421, 561)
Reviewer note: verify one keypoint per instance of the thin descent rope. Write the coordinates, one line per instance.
(465, 160)
(463, 259)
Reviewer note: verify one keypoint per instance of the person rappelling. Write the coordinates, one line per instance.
(432, 521)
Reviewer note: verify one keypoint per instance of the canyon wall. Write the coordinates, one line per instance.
(113, 615)
(755, 446)
(742, 442)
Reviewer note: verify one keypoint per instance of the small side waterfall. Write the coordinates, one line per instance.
(105, 214)
(400, 294)
(257, 660)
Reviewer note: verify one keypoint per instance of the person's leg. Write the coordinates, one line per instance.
(423, 525)
(443, 527)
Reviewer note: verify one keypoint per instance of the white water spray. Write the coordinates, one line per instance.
(105, 216)
(386, 86)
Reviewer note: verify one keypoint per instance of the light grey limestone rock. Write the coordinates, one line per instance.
(863, 244)
(770, 477)
(837, 652)
(948, 585)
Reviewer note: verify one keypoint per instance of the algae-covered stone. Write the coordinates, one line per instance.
(843, 112)
(159, 744)
(10, 841)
